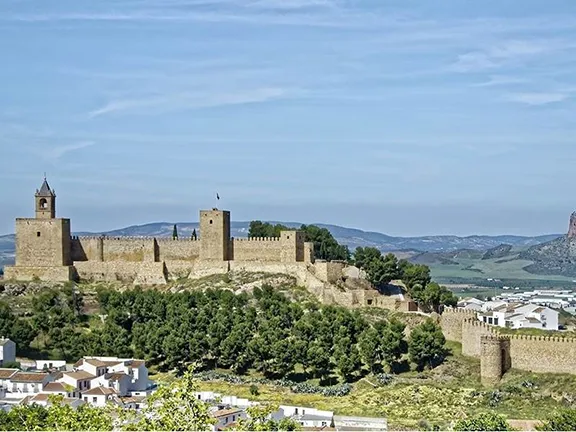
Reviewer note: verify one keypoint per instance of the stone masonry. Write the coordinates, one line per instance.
(45, 250)
(500, 352)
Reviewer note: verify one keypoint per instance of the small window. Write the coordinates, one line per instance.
(94, 399)
(369, 302)
(38, 234)
(86, 398)
(211, 221)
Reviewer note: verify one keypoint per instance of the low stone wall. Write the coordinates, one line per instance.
(51, 274)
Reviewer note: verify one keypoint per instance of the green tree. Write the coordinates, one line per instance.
(392, 342)
(194, 235)
(483, 422)
(172, 407)
(363, 256)
(414, 274)
(370, 348)
(260, 420)
(427, 345)
(325, 245)
(433, 296)
(62, 417)
(563, 420)
(175, 233)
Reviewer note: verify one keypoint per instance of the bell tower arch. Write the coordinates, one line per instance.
(45, 202)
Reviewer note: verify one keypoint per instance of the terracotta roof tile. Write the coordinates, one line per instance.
(7, 373)
(79, 375)
(32, 377)
(98, 391)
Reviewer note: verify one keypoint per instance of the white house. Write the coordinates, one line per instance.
(226, 417)
(471, 303)
(118, 381)
(7, 351)
(61, 388)
(79, 380)
(5, 375)
(135, 369)
(100, 396)
(515, 315)
(26, 383)
(307, 417)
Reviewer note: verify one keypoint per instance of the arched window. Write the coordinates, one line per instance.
(43, 203)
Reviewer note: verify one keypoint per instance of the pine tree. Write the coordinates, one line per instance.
(194, 235)
(175, 233)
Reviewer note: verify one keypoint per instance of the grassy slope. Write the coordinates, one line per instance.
(440, 396)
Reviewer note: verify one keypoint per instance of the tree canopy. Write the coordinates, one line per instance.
(325, 245)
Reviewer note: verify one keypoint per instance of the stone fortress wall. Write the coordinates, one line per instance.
(500, 352)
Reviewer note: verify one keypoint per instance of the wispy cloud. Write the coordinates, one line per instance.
(497, 80)
(498, 55)
(534, 98)
(55, 153)
(185, 101)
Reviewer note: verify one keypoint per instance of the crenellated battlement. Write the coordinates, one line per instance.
(88, 237)
(170, 239)
(460, 311)
(534, 338)
(257, 239)
(494, 337)
(475, 323)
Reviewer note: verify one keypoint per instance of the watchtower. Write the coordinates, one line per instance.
(45, 202)
(215, 235)
(494, 358)
(43, 243)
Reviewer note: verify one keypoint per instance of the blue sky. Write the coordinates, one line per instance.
(405, 117)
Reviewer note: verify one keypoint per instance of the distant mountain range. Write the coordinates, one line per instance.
(348, 236)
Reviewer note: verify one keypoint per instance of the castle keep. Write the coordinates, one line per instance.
(46, 250)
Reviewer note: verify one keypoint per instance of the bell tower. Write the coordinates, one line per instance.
(45, 202)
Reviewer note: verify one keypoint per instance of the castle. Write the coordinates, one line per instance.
(46, 250)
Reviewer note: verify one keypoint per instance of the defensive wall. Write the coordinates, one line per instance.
(500, 352)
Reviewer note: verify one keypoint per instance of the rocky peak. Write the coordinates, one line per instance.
(572, 227)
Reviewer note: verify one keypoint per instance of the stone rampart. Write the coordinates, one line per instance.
(130, 249)
(178, 250)
(87, 248)
(451, 322)
(111, 271)
(263, 249)
(329, 271)
(53, 274)
(472, 330)
(544, 354)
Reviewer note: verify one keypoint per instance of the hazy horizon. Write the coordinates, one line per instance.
(428, 118)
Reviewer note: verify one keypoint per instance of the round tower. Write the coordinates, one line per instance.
(491, 359)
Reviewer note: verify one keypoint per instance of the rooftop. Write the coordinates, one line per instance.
(99, 391)
(32, 377)
(79, 375)
(226, 412)
(7, 373)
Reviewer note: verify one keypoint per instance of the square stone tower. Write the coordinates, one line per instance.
(43, 246)
(215, 235)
